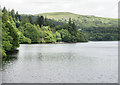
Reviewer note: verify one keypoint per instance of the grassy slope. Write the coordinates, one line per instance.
(67, 15)
(81, 20)
(59, 15)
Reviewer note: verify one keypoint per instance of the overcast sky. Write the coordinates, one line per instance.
(101, 8)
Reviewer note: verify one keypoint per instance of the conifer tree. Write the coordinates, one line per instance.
(30, 19)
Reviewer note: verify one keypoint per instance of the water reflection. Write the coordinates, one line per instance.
(11, 56)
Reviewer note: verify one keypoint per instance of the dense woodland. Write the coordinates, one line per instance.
(95, 28)
(17, 30)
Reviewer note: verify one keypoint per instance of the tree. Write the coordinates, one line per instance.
(13, 34)
(74, 28)
(58, 36)
(4, 10)
(70, 22)
(81, 37)
(10, 39)
(13, 14)
(66, 36)
(30, 19)
(17, 16)
(25, 20)
(40, 20)
(30, 31)
(46, 22)
(5, 16)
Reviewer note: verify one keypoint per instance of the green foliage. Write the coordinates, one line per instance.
(17, 16)
(23, 39)
(10, 39)
(12, 13)
(3, 53)
(30, 19)
(58, 37)
(30, 31)
(90, 25)
(81, 37)
(7, 45)
(66, 36)
(40, 20)
(47, 36)
(43, 30)
(13, 34)
(5, 16)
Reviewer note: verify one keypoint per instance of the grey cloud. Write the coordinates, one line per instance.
(102, 8)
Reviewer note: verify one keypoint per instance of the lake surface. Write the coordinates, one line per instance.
(92, 62)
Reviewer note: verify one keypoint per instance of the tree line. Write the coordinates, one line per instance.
(17, 30)
(95, 28)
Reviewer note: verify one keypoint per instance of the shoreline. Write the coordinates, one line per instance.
(59, 42)
(54, 43)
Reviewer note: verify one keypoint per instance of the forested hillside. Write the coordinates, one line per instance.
(18, 29)
(96, 28)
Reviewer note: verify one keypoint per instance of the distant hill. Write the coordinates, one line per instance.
(82, 21)
(67, 15)
(91, 25)
(59, 15)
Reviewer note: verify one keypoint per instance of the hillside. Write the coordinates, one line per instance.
(91, 25)
(96, 28)
(59, 15)
(67, 15)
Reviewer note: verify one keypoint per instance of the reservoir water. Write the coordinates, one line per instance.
(92, 62)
